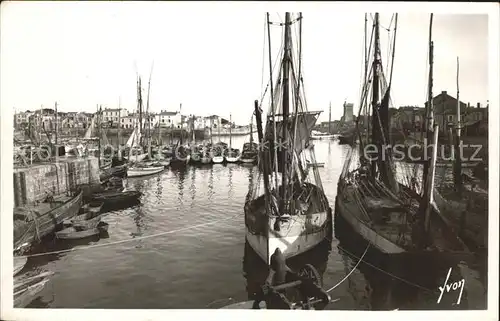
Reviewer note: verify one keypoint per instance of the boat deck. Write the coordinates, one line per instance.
(392, 219)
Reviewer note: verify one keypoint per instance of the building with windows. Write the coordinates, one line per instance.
(171, 119)
(110, 116)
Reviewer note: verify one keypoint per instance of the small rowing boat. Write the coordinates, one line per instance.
(81, 225)
(71, 233)
(144, 170)
(25, 289)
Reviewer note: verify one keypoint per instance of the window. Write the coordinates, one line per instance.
(450, 118)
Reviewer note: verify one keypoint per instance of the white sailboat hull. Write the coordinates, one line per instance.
(143, 171)
(322, 137)
(290, 246)
(218, 159)
(299, 234)
(232, 159)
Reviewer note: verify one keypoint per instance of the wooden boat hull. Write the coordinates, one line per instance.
(218, 159)
(290, 246)
(47, 222)
(248, 160)
(25, 296)
(232, 159)
(144, 171)
(92, 208)
(112, 199)
(206, 160)
(322, 137)
(106, 165)
(19, 263)
(445, 239)
(381, 243)
(86, 224)
(71, 233)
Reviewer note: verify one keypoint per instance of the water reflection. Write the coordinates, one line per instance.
(192, 188)
(139, 222)
(159, 188)
(181, 174)
(211, 184)
(230, 180)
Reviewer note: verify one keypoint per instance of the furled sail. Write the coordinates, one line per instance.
(299, 127)
(90, 133)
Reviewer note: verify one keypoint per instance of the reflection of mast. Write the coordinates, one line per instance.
(230, 182)
(211, 183)
(193, 184)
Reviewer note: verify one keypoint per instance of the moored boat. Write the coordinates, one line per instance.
(292, 214)
(80, 225)
(19, 263)
(375, 204)
(34, 222)
(138, 170)
(233, 156)
(112, 198)
(93, 207)
(71, 233)
(26, 288)
(319, 135)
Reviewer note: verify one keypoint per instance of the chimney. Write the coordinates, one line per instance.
(444, 92)
(478, 105)
(468, 105)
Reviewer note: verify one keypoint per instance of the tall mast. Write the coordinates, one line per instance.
(365, 95)
(251, 132)
(182, 123)
(99, 111)
(376, 130)
(139, 103)
(148, 113)
(119, 121)
(271, 86)
(218, 126)
(230, 130)
(285, 107)
(429, 108)
(57, 127)
(330, 119)
(457, 172)
(193, 133)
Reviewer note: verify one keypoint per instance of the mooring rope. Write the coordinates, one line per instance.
(130, 240)
(353, 269)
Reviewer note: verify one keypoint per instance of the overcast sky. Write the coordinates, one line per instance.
(210, 60)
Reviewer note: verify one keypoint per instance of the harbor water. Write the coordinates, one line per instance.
(184, 247)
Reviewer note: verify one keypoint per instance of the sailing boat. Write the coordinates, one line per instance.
(249, 153)
(292, 213)
(392, 217)
(318, 135)
(233, 154)
(181, 154)
(140, 168)
(218, 149)
(457, 201)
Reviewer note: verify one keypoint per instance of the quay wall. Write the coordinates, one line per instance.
(34, 182)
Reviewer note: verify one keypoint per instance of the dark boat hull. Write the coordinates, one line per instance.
(47, 222)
